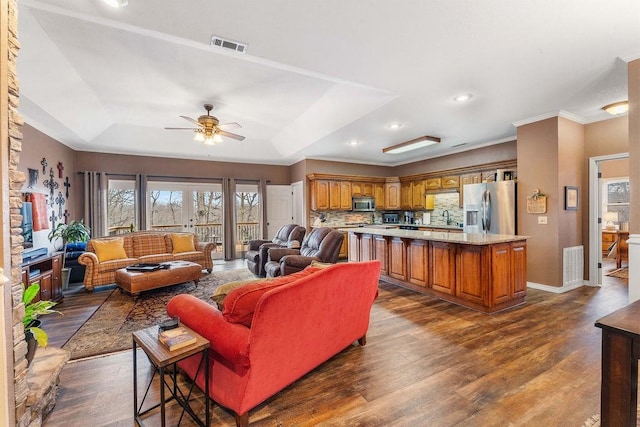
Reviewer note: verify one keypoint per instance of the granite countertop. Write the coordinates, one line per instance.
(440, 236)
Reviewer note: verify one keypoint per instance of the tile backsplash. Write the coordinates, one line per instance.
(443, 202)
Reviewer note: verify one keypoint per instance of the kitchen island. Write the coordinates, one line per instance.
(485, 272)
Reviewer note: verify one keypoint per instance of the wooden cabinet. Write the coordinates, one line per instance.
(46, 271)
(443, 267)
(320, 195)
(354, 247)
(470, 178)
(330, 195)
(451, 182)
(418, 194)
(406, 195)
(362, 189)
(397, 259)
(519, 269)
(433, 184)
(417, 261)
(345, 196)
(380, 251)
(378, 194)
(472, 274)
(489, 176)
(609, 238)
(344, 249)
(392, 195)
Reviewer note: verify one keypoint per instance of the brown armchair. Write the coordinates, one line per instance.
(322, 245)
(256, 254)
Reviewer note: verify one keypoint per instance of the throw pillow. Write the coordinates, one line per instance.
(319, 264)
(294, 244)
(221, 291)
(240, 303)
(107, 250)
(182, 243)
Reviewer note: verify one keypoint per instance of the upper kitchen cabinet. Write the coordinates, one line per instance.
(433, 183)
(330, 195)
(392, 194)
(471, 178)
(362, 189)
(378, 194)
(406, 195)
(451, 182)
(418, 194)
(320, 195)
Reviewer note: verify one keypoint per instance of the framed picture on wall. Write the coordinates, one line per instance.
(571, 198)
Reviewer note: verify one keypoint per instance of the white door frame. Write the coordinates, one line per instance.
(297, 191)
(595, 226)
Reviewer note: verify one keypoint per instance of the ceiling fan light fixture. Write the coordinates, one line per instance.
(617, 108)
(414, 144)
(116, 3)
(217, 138)
(199, 136)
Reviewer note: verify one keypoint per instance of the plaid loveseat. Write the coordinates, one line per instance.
(140, 246)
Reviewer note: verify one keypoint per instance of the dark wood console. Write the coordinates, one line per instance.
(47, 271)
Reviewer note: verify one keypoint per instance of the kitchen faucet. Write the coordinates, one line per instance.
(446, 213)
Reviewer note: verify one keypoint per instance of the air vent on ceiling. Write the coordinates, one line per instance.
(228, 44)
(459, 145)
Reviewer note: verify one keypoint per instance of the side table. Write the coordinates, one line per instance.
(161, 358)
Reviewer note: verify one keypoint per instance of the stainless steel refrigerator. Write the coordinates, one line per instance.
(490, 207)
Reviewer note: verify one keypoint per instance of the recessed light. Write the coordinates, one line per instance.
(395, 126)
(354, 142)
(116, 3)
(463, 98)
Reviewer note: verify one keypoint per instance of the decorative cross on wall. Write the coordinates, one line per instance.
(60, 169)
(51, 184)
(44, 164)
(60, 203)
(67, 184)
(66, 216)
(53, 219)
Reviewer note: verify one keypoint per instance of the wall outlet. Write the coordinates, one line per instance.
(542, 220)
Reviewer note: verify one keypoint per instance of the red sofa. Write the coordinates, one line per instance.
(285, 340)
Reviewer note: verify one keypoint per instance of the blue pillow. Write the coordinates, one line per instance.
(78, 246)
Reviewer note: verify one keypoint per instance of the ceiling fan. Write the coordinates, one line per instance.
(208, 129)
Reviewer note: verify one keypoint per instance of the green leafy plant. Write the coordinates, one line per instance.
(75, 231)
(33, 310)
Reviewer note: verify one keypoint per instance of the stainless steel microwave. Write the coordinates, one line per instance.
(363, 204)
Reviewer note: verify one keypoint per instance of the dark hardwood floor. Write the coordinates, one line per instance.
(426, 363)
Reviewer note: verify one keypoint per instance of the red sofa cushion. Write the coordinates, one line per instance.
(240, 303)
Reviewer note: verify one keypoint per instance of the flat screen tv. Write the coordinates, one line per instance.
(27, 224)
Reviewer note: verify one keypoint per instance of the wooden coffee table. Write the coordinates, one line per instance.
(134, 282)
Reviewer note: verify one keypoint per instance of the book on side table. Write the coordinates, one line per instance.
(176, 338)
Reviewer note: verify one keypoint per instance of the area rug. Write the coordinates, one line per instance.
(621, 273)
(109, 329)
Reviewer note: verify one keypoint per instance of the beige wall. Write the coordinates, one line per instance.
(537, 169)
(35, 147)
(494, 153)
(634, 144)
(571, 167)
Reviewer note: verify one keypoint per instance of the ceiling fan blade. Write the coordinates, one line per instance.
(194, 129)
(197, 123)
(232, 125)
(231, 135)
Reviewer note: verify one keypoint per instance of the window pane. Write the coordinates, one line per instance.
(121, 209)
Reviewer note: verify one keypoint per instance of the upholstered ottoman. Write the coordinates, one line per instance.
(134, 282)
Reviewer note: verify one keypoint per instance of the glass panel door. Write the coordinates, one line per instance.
(247, 212)
(165, 209)
(206, 215)
(121, 207)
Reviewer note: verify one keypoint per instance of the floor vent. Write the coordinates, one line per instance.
(228, 44)
(572, 265)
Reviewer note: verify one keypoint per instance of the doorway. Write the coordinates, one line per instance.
(193, 207)
(608, 212)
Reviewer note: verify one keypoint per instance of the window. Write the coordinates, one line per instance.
(615, 198)
(121, 208)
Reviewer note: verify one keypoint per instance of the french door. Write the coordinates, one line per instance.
(193, 207)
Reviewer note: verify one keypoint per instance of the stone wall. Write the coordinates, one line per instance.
(16, 179)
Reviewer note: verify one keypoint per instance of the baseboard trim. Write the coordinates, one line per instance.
(555, 289)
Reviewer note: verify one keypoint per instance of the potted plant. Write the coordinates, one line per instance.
(34, 334)
(74, 232)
